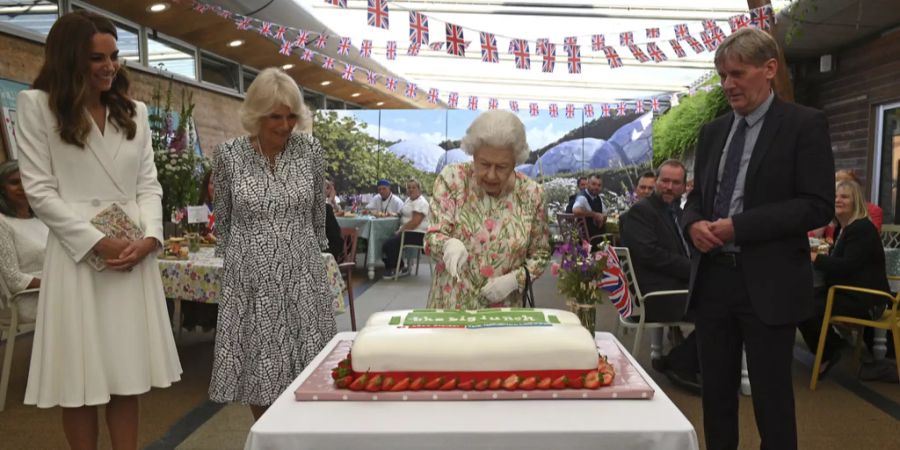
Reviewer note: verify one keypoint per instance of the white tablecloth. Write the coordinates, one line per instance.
(520, 424)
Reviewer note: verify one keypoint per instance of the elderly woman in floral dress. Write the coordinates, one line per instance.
(488, 223)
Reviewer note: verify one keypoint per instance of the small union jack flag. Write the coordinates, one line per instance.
(739, 21)
(411, 90)
(453, 100)
(575, 59)
(677, 47)
(473, 103)
(286, 48)
(708, 41)
(348, 72)
(588, 110)
(322, 41)
(391, 50)
(390, 83)
(638, 53)
(302, 37)
(653, 33)
(549, 58)
(654, 104)
(413, 49)
(493, 103)
(540, 46)
(695, 44)
(614, 282)
(436, 46)
(489, 51)
(344, 47)
(514, 106)
(371, 77)
(279, 33)
(762, 17)
(200, 7)
(570, 110)
(681, 31)
(554, 110)
(570, 42)
(338, 3)
(612, 57)
(378, 14)
(307, 55)
(244, 24)
(456, 42)
(655, 52)
(717, 35)
(432, 95)
(265, 29)
(329, 63)
(604, 110)
(709, 24)
(533, 109)
(418, 28)
(521, 52)
(626, 38)
(223, 13)
(598, 41)
(622, 109)
(365, 50)
(639, 106)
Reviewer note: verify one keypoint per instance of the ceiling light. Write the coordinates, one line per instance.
(325, 83)
(379, 104)
(158, 7)
(236, 43)
(287, 66)
(355, 94)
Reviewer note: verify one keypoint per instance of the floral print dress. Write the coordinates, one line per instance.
(502, 234)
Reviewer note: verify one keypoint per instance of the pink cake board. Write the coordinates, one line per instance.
(628, 384)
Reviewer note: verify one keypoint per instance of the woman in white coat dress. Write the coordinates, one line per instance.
(101, 337)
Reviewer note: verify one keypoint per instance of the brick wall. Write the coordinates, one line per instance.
(215, 114)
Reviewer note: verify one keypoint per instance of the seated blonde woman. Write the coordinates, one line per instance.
(23, 241)
(488, 222)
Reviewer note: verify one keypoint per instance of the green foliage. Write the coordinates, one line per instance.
(354, 160)
(676, 131)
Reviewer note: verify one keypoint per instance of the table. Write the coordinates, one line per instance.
(198, 279)
(521, 424)
(375, 231)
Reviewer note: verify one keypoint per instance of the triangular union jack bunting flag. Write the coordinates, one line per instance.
(638, 53)
(493, 103)
(654, 104)
(390, 83)
(307, 55)
(598, 41)
(302, 37)
(329, 63)
(739, 21)
(626, 38)
(244, 23)
(453, 100)
(589, 110)
(456, 42)
(371, 77)
(411, 90)
(574, 59)
(489, 52)
(432, 95)
(413, 49)
(514, 106)
(279, 33)
(322, 41)
(570, 111)
(473, 103)
(554, 110)
(695, 44)
(377, 14)
(418, 28)
(344, 47)
(348, 72)
(533, 109)
(286, 48)
(436, 46)
(676, 46)
(762, 17)
(622, 109)
(681, 31)
(639, 106)
(604, 110)
(612, 57)
(652, 33)
(391, 50)
(265, 29)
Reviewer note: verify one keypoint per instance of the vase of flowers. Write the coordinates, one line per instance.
(580, 272)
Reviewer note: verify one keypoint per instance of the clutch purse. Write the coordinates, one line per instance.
(114, 223)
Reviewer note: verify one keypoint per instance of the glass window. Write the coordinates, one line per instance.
(313, 100)
(331, 103)
(249, 76)
(171, 57)
(218, 71)
(888, 142)
(35, 16)
(128, 43)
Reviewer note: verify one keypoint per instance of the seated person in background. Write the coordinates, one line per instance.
(857, 259)
(331, 197)
(333, 232)
(589, 205)
(385, 203)
(661, 257)
(23, 241)
(645, 186)
(876, 215)
(582, 185)
(413, 217)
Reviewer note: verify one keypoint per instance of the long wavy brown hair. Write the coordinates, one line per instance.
(65, 76)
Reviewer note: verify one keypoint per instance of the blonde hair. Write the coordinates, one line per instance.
(271, 88)
(749, 46)
(860, 211)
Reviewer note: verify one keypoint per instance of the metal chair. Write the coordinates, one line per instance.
(890, 236)
(419, 250)
(346, 266)
(10, 327)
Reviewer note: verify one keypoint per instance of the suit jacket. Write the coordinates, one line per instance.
(857, 259)
(789, 190)
(659, 258)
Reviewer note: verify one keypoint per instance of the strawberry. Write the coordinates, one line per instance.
(482, 385)
(340, 372)
(560, 383)
(344, 364)
(449, 385)
(577, 382)
(544, 383)
(606, 378)
(467, 385)
(374, 384)
(434, 384)
(511, 382)
(343, 383)
(360, 382)
(592, 380)
(388, 384)
(528, 384)
(417, 384)
(401, 385)
(495, 384)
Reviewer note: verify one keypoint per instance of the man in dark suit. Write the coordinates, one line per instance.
(582, 185)
(763, 178)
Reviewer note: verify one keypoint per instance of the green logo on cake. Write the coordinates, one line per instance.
(475, 319)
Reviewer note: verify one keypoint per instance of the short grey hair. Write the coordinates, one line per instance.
(497, 129)
(271, 88)
(748, 45)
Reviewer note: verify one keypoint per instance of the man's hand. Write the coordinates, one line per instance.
(723, 229)
(703, 237)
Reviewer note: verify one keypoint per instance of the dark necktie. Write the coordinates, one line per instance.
(677, 223)
(722, 206)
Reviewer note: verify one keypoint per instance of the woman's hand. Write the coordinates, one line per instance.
(500, 287)
(110, 248)
(34, 284)
(455, 256)
(133, 254)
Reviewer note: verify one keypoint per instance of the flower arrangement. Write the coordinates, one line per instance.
(580, 272)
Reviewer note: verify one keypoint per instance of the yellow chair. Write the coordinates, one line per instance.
(890, 320)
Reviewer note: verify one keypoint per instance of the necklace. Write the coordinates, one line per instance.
(269, 159)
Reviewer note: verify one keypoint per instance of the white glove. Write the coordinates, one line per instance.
(500, 287)
(455, 255)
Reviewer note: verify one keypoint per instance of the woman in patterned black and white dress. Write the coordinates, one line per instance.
(274, 309)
